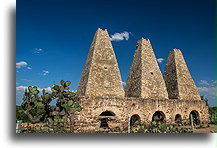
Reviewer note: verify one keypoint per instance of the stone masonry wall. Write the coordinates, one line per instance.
(145, 79)
(101, 75)
(179, 82)
(88, 120)
(147, 91)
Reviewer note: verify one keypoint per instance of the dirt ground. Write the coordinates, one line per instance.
(210, 129)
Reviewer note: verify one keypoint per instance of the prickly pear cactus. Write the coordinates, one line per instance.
(37, 107)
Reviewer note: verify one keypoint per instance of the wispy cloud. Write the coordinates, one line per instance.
(203, 82)
(208, 90)
(21, 64)
(21, 88)
(28, 67)
(45, 72)
(26, 80)
(160, 60)
(120, 36)
(38, 50)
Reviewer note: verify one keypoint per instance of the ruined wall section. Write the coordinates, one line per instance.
(101, 75)
(88, 120)
(179, 82)
(145, 79)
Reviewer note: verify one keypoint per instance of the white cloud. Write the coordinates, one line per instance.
(213, 83)
(208, 90)
(48, 89)
(38, 50)
(120, 36)
(203, 82)
(29, 68)
(21, 64)
(22, 88)
(160, 60)
(45, 72)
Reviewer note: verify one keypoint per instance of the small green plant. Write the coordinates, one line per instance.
(159, 127)
(213, 115)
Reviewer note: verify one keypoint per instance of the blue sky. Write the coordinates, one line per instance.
(54, 37)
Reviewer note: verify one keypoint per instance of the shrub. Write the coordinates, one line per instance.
(159, 127)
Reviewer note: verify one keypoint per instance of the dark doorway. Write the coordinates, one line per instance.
(104, 121)
(134, 120)
(178, 119)
(195, 116)
(159, 117)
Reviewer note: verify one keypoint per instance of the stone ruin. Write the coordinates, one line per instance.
(148, 96)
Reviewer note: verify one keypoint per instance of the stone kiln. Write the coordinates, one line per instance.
(148, 95)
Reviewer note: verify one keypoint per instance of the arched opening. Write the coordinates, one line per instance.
(134, 120)
(195, 117)
(107, 113)
(159, 116)
(178, 119)
(104, 121)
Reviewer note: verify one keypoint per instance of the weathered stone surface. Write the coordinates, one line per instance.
(102, 97)
(179, 82)
(101, 75)
(145, 79)
(124, 108)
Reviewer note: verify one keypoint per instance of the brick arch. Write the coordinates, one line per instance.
(178, 118)
(138, 113)
(103, 121)
(112, 109)
(189, 111)
(149, 117)
(135, 119)
(161, 113)
(173, 115)
(196, 115)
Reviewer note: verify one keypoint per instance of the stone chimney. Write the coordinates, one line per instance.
(179, 82)
(145, 79)
(101, 75)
